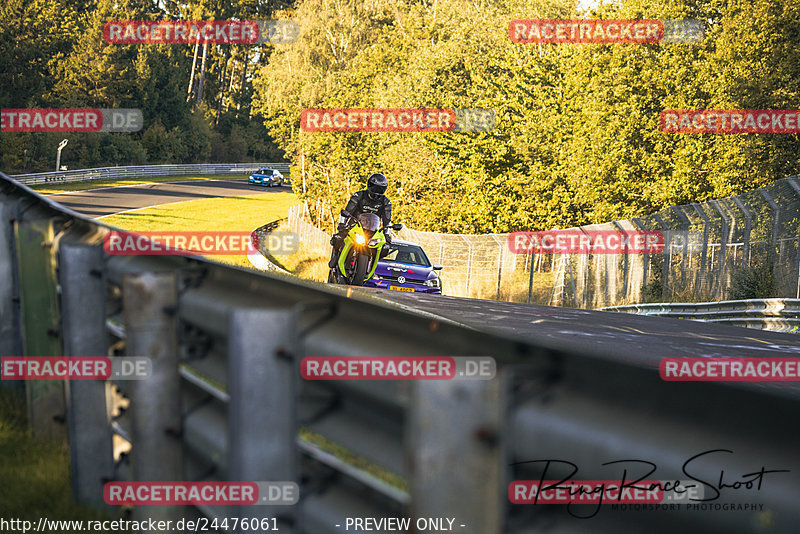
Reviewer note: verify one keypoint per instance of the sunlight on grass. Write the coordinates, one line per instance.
(231, 214)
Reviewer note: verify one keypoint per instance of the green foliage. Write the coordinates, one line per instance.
(755, 281)
(52, 55)
(577, 138)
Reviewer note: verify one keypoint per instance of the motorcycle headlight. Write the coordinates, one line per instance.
(360, 239)
(432, 283)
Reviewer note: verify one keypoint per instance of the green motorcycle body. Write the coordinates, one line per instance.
(358, 258)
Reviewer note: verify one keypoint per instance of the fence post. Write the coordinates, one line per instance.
(83, 298)
(150, 302)
(796, 189)
(645, 258)
(41, 324)
(456, 452)
(704, 253)
(748, 224)
(500, 257)
(723, 249)
(666, 264)
(262, 411)
(775, 218)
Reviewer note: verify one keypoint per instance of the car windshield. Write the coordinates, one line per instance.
(268, 172)
(410, 254)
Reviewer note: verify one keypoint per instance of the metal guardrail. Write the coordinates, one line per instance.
(225, 401)
(142, 171)
(782, 315)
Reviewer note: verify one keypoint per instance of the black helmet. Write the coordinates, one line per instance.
(376, 184)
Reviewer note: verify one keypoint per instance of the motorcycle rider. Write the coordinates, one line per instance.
(369, 200)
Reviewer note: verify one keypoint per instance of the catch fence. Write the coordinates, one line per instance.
(707, 245)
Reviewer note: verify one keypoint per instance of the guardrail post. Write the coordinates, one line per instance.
(41, 335)
(83, 298)
(150, 301)
(262, 411)
(10, 322)
(456, 453)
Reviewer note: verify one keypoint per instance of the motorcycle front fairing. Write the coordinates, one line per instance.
(366, 238)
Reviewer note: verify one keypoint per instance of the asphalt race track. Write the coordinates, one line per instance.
(110, 200)
(625, 338)
(630, 338)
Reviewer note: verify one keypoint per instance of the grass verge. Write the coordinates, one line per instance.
(35, 474)
(231, 214)
(50, 188)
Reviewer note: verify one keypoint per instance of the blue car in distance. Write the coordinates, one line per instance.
(267, 178)
(406, 268)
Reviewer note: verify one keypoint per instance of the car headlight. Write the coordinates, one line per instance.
(360, 239)
(434, 282)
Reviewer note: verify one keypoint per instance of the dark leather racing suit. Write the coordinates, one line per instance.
(359, 203)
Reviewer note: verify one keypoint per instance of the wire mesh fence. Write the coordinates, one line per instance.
(706, 246)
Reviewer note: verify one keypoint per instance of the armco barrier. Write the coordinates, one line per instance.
(782, 315)
(225, 401)
(143, 171)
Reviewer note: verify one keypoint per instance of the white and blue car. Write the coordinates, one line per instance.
(267, 178)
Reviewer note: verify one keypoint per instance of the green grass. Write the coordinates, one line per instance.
(303, 263)
(50, 188)
(231, 214)
(35, 474)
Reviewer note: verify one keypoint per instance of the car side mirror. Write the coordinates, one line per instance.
(397, 227)
(438, 266)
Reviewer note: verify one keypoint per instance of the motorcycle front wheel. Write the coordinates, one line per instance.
(362, 263)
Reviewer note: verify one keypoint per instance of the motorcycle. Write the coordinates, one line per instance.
(363, 246)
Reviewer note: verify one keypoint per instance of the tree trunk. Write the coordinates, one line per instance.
(194, 65)
(242, 80)
(222, 86)
(201, 84)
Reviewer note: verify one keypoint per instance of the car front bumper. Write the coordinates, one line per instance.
(404, 287)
